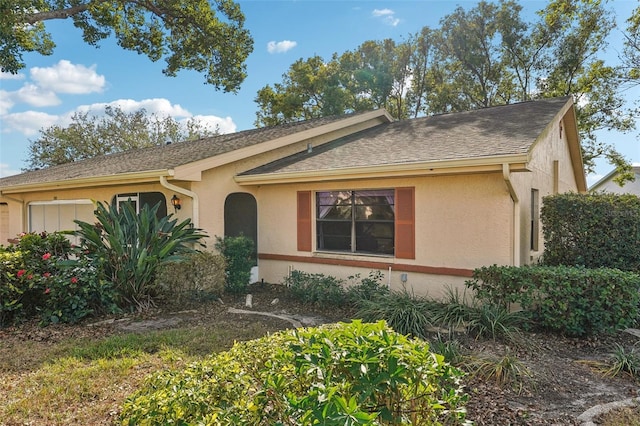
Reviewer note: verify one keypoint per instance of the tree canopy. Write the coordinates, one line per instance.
(89, 135)
(207, 36)
(479, 57)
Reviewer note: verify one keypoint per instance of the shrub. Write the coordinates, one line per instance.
(369, 288)
(592, 230)
(317, 289)
(76, 291)
(335, 374)
(238, 253)
(505, 370)
(574, 301)
(404, 312)
(44, 276)
(132, 246)
(199, 275)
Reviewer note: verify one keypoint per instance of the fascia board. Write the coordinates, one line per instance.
(125, 178)
(517, 163)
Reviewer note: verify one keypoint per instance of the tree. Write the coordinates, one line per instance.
(202, 35)
(487, 56)
(89, 136)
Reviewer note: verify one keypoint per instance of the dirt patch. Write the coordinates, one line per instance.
(562, 382)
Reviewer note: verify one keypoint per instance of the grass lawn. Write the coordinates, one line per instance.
(84, 381)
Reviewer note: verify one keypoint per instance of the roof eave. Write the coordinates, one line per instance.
(517, 163)
(193, 171)
(137, 177)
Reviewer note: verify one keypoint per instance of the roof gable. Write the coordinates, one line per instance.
(163, 160)
(492, 135)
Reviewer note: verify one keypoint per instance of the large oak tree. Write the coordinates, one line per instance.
(207, 36)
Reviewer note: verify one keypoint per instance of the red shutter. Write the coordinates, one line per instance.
(304, 220)
(405, 223)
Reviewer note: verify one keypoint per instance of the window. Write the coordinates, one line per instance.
(360, 221)
(139, 199)
(535, 218)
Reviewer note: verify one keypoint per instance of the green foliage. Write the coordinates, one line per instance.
(406, 313)
(369, 288)
(450, 348)
(199, 275)
(317, 289)
(238, 253)
(624, 361)
(323, 289)
(44, 276)
(347, 374)
(203, 36)
(479, 56)
(574, 301)
(89, 135)
(131, 246)
(77, 290)
(503, 370)
(496, 322)
(592, 230)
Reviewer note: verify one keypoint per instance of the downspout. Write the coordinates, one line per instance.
(515, 236)
(195, 213)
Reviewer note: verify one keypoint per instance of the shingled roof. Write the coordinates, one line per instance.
(508, 130)
(164, 157)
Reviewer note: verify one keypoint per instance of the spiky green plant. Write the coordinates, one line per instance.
(406, 313)
(132, 245)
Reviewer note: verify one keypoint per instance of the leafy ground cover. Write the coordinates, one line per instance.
(81, 374)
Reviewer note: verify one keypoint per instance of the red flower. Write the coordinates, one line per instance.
(74, 280)
(47, 291)
(46, 274)
(29, 276)
(21, 272)
(46, 256)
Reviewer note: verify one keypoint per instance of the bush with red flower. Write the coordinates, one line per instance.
(43, 275)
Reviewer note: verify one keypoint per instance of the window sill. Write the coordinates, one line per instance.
(350, 256)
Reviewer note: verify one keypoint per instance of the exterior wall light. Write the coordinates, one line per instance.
(175, 201)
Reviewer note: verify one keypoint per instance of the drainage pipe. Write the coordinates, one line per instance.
(515, 236)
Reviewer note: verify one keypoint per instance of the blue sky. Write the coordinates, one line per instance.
(79, 77)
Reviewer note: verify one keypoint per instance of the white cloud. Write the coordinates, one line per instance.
(280, 46)
(28, 123)
(35, 96)
(6, 170)
(224, 125)
(158, 106)
(65, 77)
(9, 76)
(387, 16)
(6, 103)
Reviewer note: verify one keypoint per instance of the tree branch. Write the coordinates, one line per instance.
(54, 14)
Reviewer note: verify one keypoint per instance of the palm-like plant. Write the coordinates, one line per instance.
(132, 245)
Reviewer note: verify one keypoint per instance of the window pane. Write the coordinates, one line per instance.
(374, 237)
(334, 235)
(334, 205)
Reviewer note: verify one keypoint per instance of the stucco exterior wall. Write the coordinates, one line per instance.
(19, 207)
(461, 222)
(547, 178)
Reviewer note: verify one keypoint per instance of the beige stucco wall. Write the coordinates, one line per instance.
(551, 146)
(461, 222)
(18, 205)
